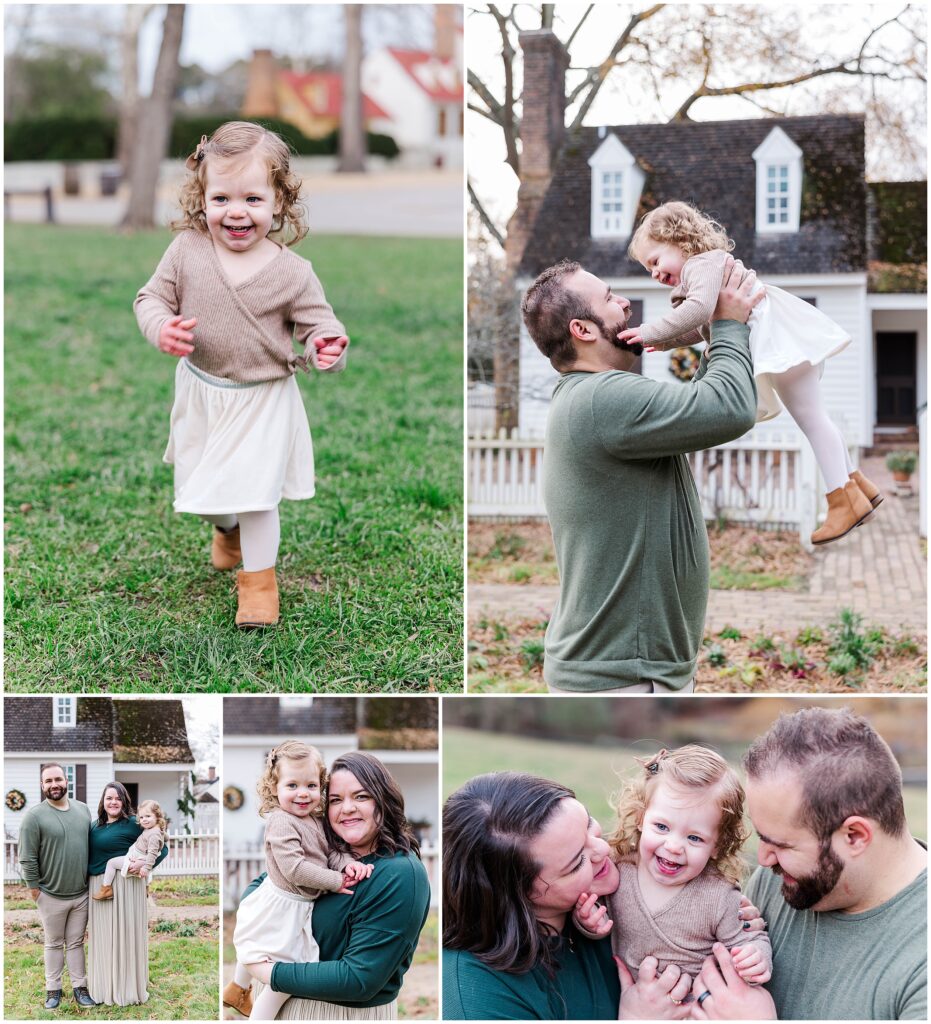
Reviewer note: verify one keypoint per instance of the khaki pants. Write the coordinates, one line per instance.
(64, 923)
(635, 688)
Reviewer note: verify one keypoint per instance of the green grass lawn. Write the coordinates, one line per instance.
(592, 771)
(108, 589)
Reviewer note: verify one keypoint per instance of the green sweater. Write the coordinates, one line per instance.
(585, 986)
(627, 523)
(366, 940)
(833, 966)
(53, 849)
(114, 840)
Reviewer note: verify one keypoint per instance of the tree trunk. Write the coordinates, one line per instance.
(154, 125)
(129, 76)
(351, 130)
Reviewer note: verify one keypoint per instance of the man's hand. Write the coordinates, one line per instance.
(175, 336)
(729, 997)
(329, 350)
(652, 996)
(734, 299)
(591, 917)
(34, 893)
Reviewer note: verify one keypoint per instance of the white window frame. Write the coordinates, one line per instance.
(615, 171)
(68, 705)
(70, 775)
(778, 184)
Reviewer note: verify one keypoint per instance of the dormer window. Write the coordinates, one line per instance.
(64, 712)
(778, 183)
(616, 185)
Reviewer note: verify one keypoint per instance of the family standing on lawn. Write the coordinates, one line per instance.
(835, 921)
(64, 856)
(627, 522)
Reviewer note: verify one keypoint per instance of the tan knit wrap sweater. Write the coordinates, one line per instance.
(682, 931)
(147, 847)
(298, 857)
(694, 299)
(244, 333)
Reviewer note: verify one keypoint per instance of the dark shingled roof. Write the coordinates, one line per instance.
(900, 221)
(150, 732)
(710, 164)
(28, 725)
(264, 716)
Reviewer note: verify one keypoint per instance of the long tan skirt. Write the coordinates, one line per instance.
(118, 947)
(316, 1009)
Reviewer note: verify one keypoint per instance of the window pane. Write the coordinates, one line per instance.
(771, 171)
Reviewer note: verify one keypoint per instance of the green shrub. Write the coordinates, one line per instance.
(851, 644)
(60, 138)
(729, 633)
(531, 653)
(901, 462)
(716, 656)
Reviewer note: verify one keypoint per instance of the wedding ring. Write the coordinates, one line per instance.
(703, 996)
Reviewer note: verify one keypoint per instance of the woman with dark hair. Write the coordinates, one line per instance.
(367, 940)
(519, 852)
(118, 929)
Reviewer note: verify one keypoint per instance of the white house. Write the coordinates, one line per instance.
(140, 742)
(792, 194)
(334, 725)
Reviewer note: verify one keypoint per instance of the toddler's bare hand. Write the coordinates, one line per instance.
(175, 336)
(329, 350)
(591, 916)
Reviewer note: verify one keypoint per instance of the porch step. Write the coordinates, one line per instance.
(893, 440)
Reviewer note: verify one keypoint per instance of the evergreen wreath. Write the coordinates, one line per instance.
(232, 798)
(683, 362)
(16, 800)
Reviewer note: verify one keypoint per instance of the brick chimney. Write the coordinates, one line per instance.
(445, 29)
(261, 98)
(542, 131)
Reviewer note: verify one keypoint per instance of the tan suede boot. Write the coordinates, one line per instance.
(105, 892)
(226, 552)
(238, 998)
(870, 491)
(258, 599)
(847, 508)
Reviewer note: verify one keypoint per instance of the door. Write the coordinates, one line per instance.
(895, 377)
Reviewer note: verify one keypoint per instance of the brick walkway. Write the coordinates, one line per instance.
(879, 570)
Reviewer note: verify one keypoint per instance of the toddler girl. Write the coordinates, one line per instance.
(274, 921)
(143, 853)
(677, 842)
(789, 341)
(231, 302)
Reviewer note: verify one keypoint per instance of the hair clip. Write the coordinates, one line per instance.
(197, 157)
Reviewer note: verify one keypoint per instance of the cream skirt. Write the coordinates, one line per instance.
(315, 1009)
(118, 946)
(237, 447)
(272, 924)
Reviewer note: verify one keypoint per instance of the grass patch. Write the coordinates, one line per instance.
(107, 589)
(182, 982)
(185, 891)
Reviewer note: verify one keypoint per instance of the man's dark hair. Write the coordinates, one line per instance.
(844, 766)
(488, 872)
(51, 764)
(394, 830)
(548, 306)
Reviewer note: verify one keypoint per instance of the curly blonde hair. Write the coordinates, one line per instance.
(683, 226)
(690, 767)
(160, 820)
(242, 139)
(290, 750)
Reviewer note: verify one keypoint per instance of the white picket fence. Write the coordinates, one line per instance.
(769, 479)
(187, 855)
(245, 862)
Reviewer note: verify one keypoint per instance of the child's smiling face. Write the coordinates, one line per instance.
(239, 202)
(663, 261)
(298, 786)
(147, 819)
(679, 833)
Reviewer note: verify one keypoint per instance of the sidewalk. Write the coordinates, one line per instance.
(879, 570)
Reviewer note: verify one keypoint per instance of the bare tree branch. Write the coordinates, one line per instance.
(579, 24)
(483, 214)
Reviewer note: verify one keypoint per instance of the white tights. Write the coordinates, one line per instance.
(800, 393)
(259, 536)
(265, 1006)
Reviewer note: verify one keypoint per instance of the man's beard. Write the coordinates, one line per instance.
(55, 792)
(813, 888)
(612, 335)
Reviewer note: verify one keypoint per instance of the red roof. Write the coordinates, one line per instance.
(322, 93)
(440, 79)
